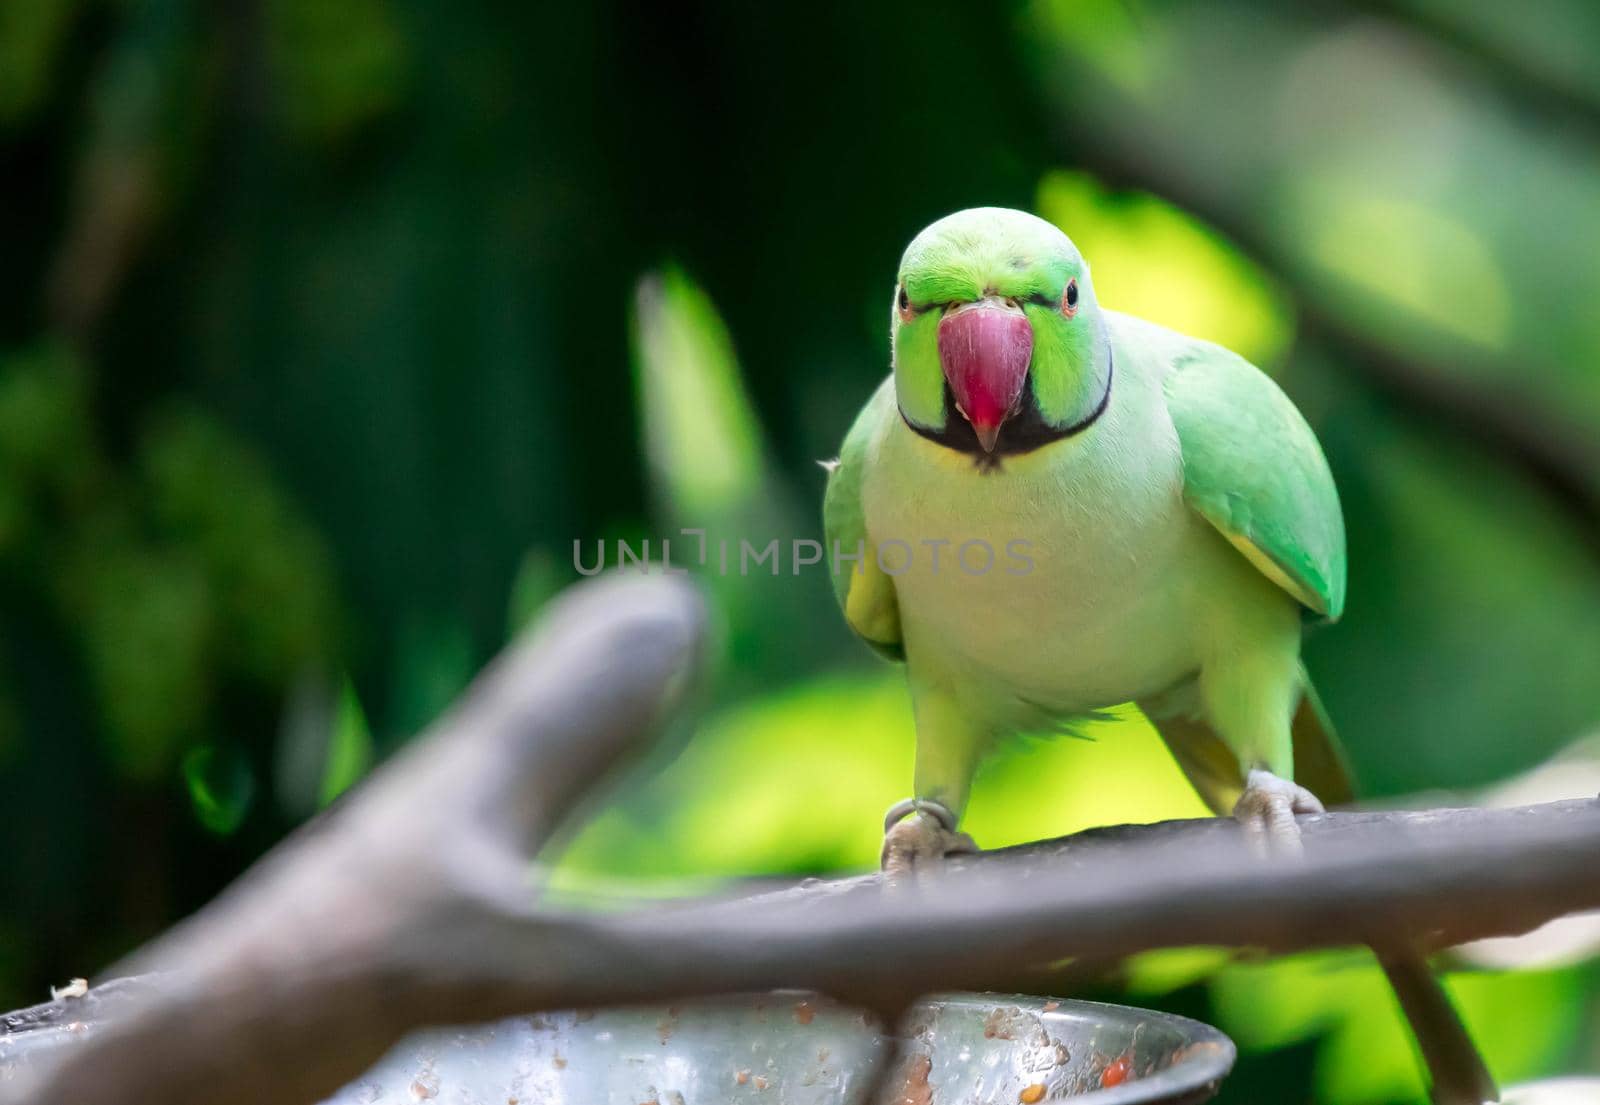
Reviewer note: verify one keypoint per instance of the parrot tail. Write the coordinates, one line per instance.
(1320, 763)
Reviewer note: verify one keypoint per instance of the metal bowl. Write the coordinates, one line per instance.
(771, 1049)
(798, 1049)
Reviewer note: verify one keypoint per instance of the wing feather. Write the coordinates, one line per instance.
(1254, 470)
(866, 593)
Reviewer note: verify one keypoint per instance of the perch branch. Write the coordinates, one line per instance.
(411, 905)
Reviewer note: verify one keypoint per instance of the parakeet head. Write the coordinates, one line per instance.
(998, 344)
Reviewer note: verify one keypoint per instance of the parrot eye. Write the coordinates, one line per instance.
(903, 301)
(1069, 299)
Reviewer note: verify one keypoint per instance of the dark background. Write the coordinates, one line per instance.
(326, 329)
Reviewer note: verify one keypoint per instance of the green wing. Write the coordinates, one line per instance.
(1253, 469)
(865, 593)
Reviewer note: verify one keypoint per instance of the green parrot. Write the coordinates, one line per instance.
(1050, 508)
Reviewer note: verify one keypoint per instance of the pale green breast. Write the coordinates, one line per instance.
(1103, 568)
(1064, 576)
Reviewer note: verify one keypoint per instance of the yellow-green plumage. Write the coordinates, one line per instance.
(1179, 524)
(1177, 542)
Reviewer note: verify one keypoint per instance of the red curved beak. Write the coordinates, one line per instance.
(985, 348)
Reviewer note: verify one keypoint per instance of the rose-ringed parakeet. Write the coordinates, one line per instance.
(1050, 508)
(1060, 508)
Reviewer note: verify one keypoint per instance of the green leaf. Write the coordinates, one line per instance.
(221, 786)
(349, 747)
(700, 429)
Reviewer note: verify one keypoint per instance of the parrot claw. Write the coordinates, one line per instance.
(917, 845)
(1267, 808)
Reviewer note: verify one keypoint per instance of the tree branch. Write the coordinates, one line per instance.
(410, 905)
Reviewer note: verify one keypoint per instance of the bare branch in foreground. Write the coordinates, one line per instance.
(411, 905)
(301, 974)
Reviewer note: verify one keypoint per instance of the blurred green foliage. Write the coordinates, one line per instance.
(1153, 260)
(349, 748)
(31, 33)
(335, 67)
(1527, 1022)
(221, 787)
(327, 329)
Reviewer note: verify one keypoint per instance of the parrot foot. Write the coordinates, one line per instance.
(1267, 809)
(917, 845)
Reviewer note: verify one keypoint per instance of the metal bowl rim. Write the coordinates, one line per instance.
(1208, 1065)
